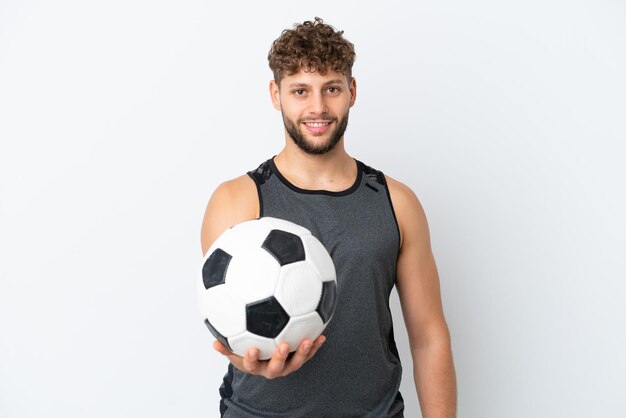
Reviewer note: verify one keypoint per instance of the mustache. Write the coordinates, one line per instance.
(324, 119)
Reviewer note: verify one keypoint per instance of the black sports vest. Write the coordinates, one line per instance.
(357, 372)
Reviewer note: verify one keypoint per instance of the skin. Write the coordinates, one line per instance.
(315, 104)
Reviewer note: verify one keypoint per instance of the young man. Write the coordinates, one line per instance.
(376, 232)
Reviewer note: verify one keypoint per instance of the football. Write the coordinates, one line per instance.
(264, 282)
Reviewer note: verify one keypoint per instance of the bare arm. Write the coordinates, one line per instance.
(418, 288)
(233, 202)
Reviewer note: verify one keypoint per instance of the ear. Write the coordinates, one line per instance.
(275, 95)
(352, 91)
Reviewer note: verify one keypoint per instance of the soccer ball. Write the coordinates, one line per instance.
(264, 282)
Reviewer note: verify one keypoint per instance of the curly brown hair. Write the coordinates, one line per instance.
(311, 46)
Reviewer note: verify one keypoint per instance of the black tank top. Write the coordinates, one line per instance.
(357, 371)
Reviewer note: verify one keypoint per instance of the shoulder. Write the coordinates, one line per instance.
(232, 202)
(409, 213)
(238, 190)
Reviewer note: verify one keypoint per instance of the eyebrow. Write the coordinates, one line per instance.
(337, 81)
(297, 85)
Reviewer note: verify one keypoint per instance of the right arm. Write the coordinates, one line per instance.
(233, 202)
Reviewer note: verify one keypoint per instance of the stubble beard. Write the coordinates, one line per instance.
(298, 137)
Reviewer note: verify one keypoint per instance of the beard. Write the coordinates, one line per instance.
(297, 135)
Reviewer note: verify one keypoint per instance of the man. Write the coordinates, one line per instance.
(376, 232)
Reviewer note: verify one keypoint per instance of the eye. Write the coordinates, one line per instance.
(334, 90)
(299, 92)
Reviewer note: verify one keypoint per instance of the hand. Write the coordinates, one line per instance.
(278, 365)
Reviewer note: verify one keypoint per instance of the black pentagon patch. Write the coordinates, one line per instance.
(217, 335)
(326, 307)
(284, 246)
(214, 269)
(266, 317)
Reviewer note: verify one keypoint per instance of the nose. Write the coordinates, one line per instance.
(318, 105)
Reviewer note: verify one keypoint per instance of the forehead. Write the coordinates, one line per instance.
(313, 78)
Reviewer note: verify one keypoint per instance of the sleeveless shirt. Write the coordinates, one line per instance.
(357, 372)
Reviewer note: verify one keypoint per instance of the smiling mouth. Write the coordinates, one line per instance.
(317, 124)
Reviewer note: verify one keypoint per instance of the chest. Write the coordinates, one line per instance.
(359, 231)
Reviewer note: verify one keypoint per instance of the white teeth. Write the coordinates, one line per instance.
(317, 124)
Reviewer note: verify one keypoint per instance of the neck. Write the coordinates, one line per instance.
(333, 171)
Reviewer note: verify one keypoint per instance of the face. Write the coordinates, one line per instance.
(315, 108)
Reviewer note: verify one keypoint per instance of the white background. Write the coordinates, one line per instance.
(119, 118)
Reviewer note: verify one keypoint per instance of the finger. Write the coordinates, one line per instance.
(220, 348)
(301, 355)
(236, 360)
(251, 363)
(319, 341)
(276, 364)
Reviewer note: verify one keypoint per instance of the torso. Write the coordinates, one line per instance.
(357, 372)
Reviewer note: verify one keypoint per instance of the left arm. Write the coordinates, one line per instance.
(420, 297)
